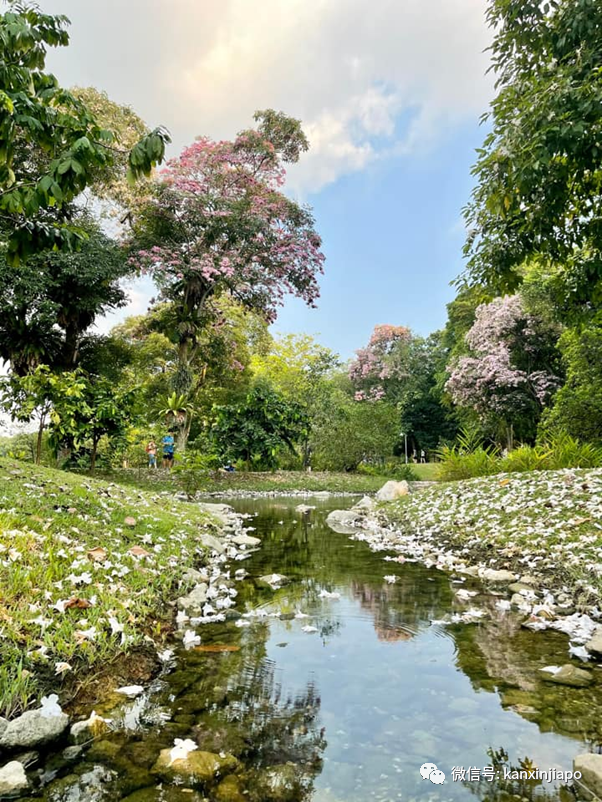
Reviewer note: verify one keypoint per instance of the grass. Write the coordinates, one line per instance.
(63, 602)
(545, 522)
(427, 471)
(283, 481)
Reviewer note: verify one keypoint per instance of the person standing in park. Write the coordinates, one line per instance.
(151, 450)
(168, 450)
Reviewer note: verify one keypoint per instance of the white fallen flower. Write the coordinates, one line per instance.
(465, 595)
(191, 639)
(50, 707)
(503, 604)
(579, 651)
(309, 629)
(166, 655)
(131, 691)
(181, 749)
(390, 578)
(325, 594)
(551, 669)
(301, 615)
(62, 668)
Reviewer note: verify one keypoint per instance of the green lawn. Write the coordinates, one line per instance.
(257, 482)
(79, 583)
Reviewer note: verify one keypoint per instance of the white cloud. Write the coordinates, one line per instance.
(350, 69)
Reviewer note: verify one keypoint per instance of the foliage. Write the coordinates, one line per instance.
(193, 469)
(456, 464)
(257, 429)
(538, 173)
(392, 470)
(218, 224)
(48, 303)
(50, 520)
(382, 365)
(51, 143)
(577, 409)
(512, 370)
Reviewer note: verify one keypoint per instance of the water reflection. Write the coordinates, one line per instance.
(349, 712)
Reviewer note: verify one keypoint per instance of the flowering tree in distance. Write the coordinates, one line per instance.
(382, 364)
(511, 373)
(218, 223)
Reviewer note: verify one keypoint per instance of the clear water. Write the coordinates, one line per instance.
(350, 713)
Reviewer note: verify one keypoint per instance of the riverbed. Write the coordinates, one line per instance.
(339, 685)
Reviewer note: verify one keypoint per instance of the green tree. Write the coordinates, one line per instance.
(259, 428)
(539, 172)
(51, 144)
(48, 303)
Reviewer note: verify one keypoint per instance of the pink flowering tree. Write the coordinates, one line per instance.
(511, 371)
(218, 223)
(382, 365)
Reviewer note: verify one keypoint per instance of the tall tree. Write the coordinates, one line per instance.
(219, 224)
(539, 172)
(51, 144)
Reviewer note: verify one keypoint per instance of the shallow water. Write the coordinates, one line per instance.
(358, 706)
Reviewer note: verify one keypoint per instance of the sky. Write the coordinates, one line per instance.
(390, 93)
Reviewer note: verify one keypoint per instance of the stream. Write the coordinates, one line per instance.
(347, 704)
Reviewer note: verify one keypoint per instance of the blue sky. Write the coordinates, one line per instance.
(389, 91)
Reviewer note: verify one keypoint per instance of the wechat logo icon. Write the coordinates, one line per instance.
(429, 771)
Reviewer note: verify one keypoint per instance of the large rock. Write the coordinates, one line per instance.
(223, 513)
(590, 767)
(246, 540)
(341, 518)
(497, 577)
(594, 645)
(365, 505)
(229, 791)
(393, 490)
(197, 768)
(33, 728)
(568, 675)
(3, 725)
(212, 543)
(13, 779)
(282, 783)
(194, 601)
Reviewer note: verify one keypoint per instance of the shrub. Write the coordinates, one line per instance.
(455, 464)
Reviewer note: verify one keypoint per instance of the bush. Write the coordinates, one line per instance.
(455, 464)
(192, 470)
(389, 470)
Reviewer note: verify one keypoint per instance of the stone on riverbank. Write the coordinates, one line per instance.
(246, 540)
(197, 768)
(33, 728)
(13, 779)
(272, 581)
(365, 505)
(568, 675)
(497, 577)
(393, 490)
(342, 518)
(194, 601)
(212, 543)
(590, 766)
(594, 645)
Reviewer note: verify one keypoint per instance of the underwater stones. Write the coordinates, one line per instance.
(392, 490)
(229, 791)
(166, 793)
(93, 786)
(568, 675)
(194, 601)
(280, 783)
(196, 768)
(590, 766)
(13, 779)
(272, 581)
(497, 577)
(33, 728)
(92, 727)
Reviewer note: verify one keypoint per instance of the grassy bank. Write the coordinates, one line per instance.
(279, 481)
(544, 522)
(86, 569)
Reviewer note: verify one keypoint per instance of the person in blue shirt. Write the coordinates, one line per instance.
(169, 445)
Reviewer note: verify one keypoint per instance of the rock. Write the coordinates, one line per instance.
(304, 509)
(568, 675)
(246, 540)
(341, 518)
(470, 570)
(89, 729)
(229, 791)
(3, 725)
(532, 581)
(496, 577)
(33, 729)
(194, 576)
(13, 779)
(92, 785)
(72, 752)
(212, 543)
(167, 793)
(590, 766)
(393, 490)
(280, 783)
(594, 645)
(517, 599)
(222, 513)
(518, 587)
(194, 601)
(198, 768)
(272, 581)
(365, 505)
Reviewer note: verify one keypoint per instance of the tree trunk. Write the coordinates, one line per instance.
(93, 455)
(40, 435)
